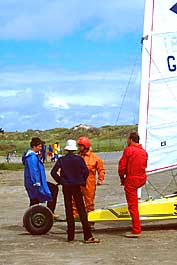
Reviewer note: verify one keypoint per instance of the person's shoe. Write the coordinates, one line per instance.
(91, 240)
(56, 217)
(131, 235)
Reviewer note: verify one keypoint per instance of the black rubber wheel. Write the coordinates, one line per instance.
(38, 220)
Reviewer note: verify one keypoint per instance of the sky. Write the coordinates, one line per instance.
(71, 62)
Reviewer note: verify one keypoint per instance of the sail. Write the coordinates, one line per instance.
(158, 96)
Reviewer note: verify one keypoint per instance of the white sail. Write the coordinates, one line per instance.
(158, 98)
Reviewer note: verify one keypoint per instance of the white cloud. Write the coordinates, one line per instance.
(54, 19)
(56, 102)
(8, 93)
(48, 99)
(42, 97)
(22, 76)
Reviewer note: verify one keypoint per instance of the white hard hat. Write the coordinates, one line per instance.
(71, 145)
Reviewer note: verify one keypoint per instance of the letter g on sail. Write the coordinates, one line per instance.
(171, 63)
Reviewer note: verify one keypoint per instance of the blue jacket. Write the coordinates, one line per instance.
(35, 178)
(73, 170)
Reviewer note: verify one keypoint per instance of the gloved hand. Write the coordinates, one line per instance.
(99, 182)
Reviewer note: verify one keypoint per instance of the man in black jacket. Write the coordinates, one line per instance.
(71, 172)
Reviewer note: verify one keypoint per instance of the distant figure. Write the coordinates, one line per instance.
(43, 153)
(56, 150)
(71, 172)
(132, 171)
(11, 156)
(50, 152)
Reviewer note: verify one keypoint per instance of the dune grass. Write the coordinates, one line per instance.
(11, 166)
(103, 139)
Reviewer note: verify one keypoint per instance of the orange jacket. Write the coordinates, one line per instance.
(94, 164)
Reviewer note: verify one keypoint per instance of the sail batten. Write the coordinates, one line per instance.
(158, 97)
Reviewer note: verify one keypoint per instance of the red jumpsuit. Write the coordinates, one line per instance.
(132, 171)
(95, 165)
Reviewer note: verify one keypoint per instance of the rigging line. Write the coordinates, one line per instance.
(173, 179)
(147, 192)
(128, 84)
(154, 188)
(161, 75)
(125, 94)
(168, 184)
(165, 188)
(174, 176)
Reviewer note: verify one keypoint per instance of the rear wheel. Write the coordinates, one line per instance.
(38, 220)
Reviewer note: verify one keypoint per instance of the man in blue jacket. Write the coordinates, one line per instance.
(71, 172)
(37, 187)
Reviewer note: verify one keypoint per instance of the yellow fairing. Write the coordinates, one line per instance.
(157, 209)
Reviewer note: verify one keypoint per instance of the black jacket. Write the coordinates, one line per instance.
(70, 170)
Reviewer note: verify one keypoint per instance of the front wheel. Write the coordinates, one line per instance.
(38, 220)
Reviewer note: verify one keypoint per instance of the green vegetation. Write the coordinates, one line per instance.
(11, 166)
(103, 139)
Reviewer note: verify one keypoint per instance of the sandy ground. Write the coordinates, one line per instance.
(156, 246)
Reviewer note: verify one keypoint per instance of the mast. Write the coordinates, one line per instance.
(145, 72)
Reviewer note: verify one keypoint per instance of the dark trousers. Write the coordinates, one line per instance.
(52, 204)
(70, 192)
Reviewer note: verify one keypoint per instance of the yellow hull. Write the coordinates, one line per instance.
(157, 209)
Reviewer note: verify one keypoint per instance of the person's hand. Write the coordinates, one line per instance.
(122, 181)
(99, 182)
(37, 184)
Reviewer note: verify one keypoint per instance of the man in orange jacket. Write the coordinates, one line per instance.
(95, 165)
(132, 171)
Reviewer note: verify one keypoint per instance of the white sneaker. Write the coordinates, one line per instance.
(131, 235)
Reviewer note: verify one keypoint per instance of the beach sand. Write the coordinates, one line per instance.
(157, 245)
